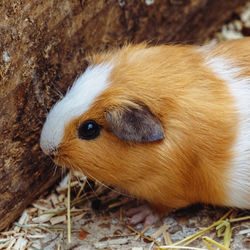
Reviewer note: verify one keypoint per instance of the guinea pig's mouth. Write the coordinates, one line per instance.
(55, 157)
(56, 160)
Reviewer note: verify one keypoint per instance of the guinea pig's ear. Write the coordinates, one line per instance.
(135, 124)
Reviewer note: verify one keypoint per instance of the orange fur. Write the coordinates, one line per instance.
(197, 113)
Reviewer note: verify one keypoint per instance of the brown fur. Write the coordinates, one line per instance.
(195, 109)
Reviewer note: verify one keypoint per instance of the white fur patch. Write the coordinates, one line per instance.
(77, 101)
(239, 176)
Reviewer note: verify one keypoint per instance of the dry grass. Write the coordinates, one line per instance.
(58, 212)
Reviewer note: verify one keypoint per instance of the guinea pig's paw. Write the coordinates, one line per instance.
(142, 214)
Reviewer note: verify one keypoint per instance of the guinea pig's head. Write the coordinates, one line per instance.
(102, 126)
(151, 121)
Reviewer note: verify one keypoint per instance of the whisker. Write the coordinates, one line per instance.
(64, 170)
(55, 169)
(93, 191)
(106, 186)
(57, 91)
(77, 178)
(77, 168)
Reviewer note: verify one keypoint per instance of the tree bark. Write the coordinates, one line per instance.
(42, 50)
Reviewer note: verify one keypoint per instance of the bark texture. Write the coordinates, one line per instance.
(42, 49)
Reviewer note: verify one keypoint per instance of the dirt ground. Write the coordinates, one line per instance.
(97, 220)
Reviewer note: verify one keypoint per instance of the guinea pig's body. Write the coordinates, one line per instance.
(168, 124)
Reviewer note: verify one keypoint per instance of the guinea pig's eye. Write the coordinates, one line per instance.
(89, 130)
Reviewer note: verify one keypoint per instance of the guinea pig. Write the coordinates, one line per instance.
(169, 124)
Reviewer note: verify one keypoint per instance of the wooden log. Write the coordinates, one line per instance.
(42, 49)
